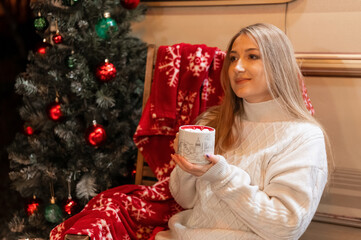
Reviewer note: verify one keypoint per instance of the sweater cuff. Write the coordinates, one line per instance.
(218, 172)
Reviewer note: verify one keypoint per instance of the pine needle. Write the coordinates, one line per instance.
(86, 188)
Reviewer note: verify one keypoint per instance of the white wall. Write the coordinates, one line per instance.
(213, 26)
(312, 25)
(325, 25)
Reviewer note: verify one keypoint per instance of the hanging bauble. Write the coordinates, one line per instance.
(57, 38)
(41, 23)
(70, 61)
(104, 25)
(28, 130)
(106, 71)
(95, 135)
(133, 172)
(69, 3)
(43, 46)
(70, 206)
(32, 206)
(53, 212)
(54, 111)
(129, 4)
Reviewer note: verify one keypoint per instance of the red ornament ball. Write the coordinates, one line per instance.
(106, 71)
(54, 111)
(28, 130)
(42, 47)
(57, 38)
(129, 4)
(95, 135)
(70, 206)
(32, 206)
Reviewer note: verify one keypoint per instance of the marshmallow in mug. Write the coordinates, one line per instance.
(196, 130)
(195, 141)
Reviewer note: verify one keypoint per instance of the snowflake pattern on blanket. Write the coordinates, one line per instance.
(171, 65)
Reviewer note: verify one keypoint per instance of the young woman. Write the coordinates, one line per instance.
(270, 167)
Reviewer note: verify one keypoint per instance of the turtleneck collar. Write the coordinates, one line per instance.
(268, 111)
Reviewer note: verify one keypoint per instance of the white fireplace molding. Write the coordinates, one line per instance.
(330, 64)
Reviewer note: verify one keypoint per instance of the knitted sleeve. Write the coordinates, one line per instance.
(182, 186)
(293, 184)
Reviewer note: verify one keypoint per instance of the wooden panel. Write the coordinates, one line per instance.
(341, 204)
(147, 172)
(148, 182)
(323, 231)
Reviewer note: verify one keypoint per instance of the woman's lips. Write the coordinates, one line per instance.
(242, 80)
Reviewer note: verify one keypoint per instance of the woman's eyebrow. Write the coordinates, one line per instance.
(247, 50)
(251, 49)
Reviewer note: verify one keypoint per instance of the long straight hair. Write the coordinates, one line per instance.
(283, 77)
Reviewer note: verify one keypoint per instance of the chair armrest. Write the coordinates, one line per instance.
(76, 237)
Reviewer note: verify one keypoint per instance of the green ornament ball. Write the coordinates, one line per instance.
(69, 3)
(53, 213)
(41, 24)
(70, 62)
(104, 26)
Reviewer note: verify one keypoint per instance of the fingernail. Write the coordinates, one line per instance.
(207, 155)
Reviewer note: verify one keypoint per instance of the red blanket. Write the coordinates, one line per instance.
(124, 212)
(185, 83)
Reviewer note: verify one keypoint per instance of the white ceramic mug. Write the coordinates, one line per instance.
(194, 141)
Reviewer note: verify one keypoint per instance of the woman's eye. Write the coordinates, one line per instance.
(254, 56)
(232, 58)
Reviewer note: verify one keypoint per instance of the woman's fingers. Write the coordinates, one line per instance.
(194, 169)
(212, 158)
(180, 161)
(175, 143)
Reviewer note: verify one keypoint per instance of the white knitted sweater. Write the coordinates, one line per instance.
(268, 188)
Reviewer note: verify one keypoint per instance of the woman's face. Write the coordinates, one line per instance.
(246, 71)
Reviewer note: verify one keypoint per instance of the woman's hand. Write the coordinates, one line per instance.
(194, 169)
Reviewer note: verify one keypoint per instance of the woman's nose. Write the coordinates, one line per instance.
(239, 67)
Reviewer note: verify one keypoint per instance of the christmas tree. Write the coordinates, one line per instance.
(82, 96)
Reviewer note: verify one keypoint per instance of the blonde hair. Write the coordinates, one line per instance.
(283, 77)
